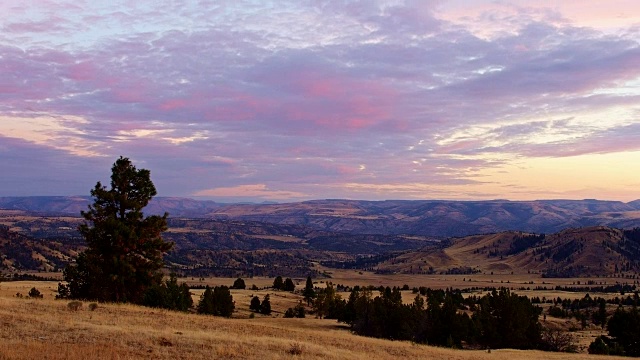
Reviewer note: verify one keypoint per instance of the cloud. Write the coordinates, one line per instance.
(259, 191)
(311, 95)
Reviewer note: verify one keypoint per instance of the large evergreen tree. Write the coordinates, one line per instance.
(124, 248)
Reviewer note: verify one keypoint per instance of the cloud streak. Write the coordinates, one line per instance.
(297, 100)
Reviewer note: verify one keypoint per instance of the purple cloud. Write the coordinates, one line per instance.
(306, 97)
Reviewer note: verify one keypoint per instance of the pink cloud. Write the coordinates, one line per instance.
(83, 71)
(253, 191)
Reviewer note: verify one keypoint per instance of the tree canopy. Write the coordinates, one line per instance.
(124, 248)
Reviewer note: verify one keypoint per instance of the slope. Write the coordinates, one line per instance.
(592, 251)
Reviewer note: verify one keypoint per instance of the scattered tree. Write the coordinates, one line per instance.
(278, 283)
(297, 311)
(239, 284)
(217, 301)
(328, 303)
(35, 293)
(169, 295)
(309, 293)
(265, 306)
(255, 304)
(288, 285)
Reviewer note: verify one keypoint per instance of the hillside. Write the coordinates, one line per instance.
(441, 218)
(593, 251)
(47, 329)
(19, 252)
(430, 218)
(202, 246)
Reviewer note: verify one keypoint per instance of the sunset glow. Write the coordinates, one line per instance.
(294, 100)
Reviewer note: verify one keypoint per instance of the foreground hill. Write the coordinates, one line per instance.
(426, 218)
(47, 329)
(593, 251)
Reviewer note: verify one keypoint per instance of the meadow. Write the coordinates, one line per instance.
(48, 329)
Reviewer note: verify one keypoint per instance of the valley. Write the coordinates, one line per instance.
(598, 260)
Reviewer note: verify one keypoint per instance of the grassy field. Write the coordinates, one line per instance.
(47, 329)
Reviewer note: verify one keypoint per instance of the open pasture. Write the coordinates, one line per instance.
(47, 328)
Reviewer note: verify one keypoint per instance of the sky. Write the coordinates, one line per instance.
(310, 99)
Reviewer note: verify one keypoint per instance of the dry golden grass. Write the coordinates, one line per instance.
(498, 279)
(48, 329)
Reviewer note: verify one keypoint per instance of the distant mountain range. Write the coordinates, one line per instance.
(431, 218)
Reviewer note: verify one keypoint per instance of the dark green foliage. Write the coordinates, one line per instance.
(124, 249)
(278, 284)
(441, 323)
(328, 303)
(295, 312)
(265, 306)
(603, 345)
(217, 301)
(35, 293)
(599, 347)
(383, 316)
(289, 285)
(308, 292)
(505, 320)
(500, 319)
(299, 310)
(558, 312)
(255, 304)
(600, 317)
(524, 242)
(169, 295)
(239, 284)
(289, 313)
(624, 328)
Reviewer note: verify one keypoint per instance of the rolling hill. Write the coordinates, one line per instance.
(20, 252)
(202, 246)
(431, 218)
(592, 251)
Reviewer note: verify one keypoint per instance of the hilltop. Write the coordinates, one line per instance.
(592, 251)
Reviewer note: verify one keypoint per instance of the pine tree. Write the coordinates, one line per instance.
(309, 293)
(278, 284)
(289, 285)
(124, 249)
(224, 301)
(217, 301)
(265, 306)
(206, 304)
(255, 304)
(239, 284)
